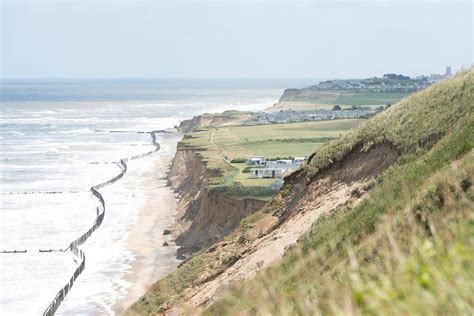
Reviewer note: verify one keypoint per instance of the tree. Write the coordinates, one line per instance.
(336, 108)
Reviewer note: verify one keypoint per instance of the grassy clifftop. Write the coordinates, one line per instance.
(408, 247)
(405, 248)
(224, 149)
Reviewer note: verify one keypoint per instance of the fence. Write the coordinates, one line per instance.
(79, 255)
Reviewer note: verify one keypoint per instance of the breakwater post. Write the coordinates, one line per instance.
(78, 254)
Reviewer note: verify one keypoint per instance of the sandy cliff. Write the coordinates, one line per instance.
(206, 120)
(203, 217)
(344, 189)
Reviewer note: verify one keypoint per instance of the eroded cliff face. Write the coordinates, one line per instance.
(345, 182)
(204, 217)
(204, 120)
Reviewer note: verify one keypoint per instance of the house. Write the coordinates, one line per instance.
(281, 164)
(272, 173)
(256, 161)
(299, 160)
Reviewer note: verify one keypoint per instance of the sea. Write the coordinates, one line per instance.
(59, 138)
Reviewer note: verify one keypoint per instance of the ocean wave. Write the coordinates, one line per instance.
(83, 130)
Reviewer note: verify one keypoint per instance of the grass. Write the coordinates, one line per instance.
(219, 145)
(369, 98)
(408, 248)
(346, 98)
(414, 125)
(399, 269)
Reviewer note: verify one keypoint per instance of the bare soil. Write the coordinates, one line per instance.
(343, 181)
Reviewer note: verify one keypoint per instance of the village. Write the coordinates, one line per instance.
(273, 169)
(292, 116)
(388, 83)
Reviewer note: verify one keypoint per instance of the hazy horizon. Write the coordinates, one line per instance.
(119, 39)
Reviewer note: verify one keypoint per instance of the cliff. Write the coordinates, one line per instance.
(206, 120)
(204, 217)
(309, 98)
(378, 221)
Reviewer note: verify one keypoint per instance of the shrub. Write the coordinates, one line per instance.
(238, 160)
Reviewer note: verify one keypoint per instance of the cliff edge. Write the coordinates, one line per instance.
(204, 217)
(378, 221)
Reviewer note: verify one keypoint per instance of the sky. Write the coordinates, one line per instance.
(233, 39)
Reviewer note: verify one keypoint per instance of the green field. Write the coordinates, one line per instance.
(326, 99)
(406, 248)
(369, 98)
(219, 145)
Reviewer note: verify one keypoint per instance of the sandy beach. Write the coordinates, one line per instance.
(146, 239)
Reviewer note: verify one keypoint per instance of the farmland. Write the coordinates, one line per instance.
(225, 147)
(326, 99)
(369, 98)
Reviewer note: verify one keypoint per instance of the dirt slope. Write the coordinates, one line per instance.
(344, 181)
(203, 217)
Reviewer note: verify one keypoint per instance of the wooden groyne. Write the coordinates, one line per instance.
(79, 256)
(42, 192)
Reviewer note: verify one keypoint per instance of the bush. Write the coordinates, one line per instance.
(247, 169)
(238, 160)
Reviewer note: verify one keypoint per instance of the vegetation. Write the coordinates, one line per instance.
(326, 99)
(369, 98)
(408, 247)
(414, 125)
(224, 148)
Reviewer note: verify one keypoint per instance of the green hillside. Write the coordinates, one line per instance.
(408, 248)
(225, 148)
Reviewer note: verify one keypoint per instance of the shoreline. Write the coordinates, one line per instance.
(153, 260)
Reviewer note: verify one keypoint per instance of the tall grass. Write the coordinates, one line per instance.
(417, 259)
(408, 247)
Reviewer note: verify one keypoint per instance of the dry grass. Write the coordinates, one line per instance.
(406, 249)
(407, 265)
(214, 143)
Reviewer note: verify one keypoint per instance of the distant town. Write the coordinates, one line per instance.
(349, 98)
(388, 83)
(291, 116)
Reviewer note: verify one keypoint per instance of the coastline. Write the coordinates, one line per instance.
(153, 260)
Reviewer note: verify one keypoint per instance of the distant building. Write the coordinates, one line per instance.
(438, 77)
(448, 71)
(281, 164)
(256, 161)
(299, 160)
(273, 173)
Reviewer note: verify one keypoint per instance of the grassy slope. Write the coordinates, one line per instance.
(408, 248)
(315, 273)
(271, 141)
(348, 98)
(369, 98)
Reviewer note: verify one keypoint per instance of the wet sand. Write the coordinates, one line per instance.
(145, 241)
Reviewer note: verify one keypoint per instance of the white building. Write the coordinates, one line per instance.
(281, 164)
(299, 160)
(256, 161)
(272, 173)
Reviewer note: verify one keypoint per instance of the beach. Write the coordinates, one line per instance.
(69, 136)
(153, 260)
